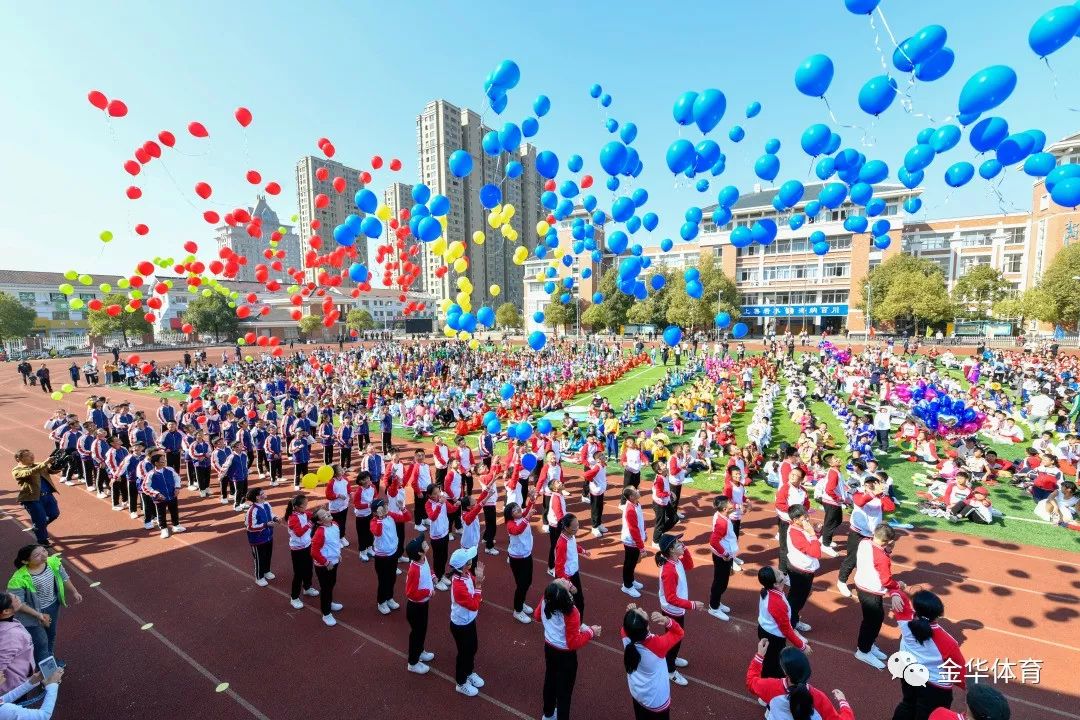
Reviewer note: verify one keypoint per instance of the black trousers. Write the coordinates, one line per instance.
(227, 486)
(240, 488)
(770, 668)
(419, 514)
(553, 537)
(522, 569)
(467, 643)
(642, 713)
(328, 455)
(102, 476)
(327, 580)
(149, 508)
(364, 538)
(275, 470)
(596, 510)
(346, 458)
(631, 479)
(834, 515)
(873, 615)
(400, 527)
(302, 568)
(385, 573)
(560, 674)
(299, 471)
(172, 459)
(783, 544)
(673, 653)
(120, 492)
(918, 702)
(631, 555)
(440, 477)
(801, 585)
(490, 518)
(133, 496)
(202, 475)
(262, 553)
(387, 446)
(440, 552)
(417, 615)
(261, 463)
(89, 472)
(883, 439)
(847, 565)
(192, 480)
(676, 496)
(167, 510)
(579, 596)
(341, 520)
(721, 576)
(664, 518)
(363, 440)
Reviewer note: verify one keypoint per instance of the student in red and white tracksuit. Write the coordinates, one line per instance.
(774, 620)
(489, 491)
(596, 477)
(632, 535)
(834, 498)
(326, 554)
(735, 482)
(438, 510)
(337, 493)
(676, 475)
(563, 636)
(465, 458)
(724, 544)
(383, 528)
(789, 697)
(553, 516)
(804, 559)
(300, 525)
(470, 518)
(441, 456)
(933, 647)
(675, 562)
(419, 587)
(788, 495)
(874, 580)
(363, 495)
(418, 477)
(465, 598)
(632, 460)
(566, 558)
(454, 488)
(664, 517)
(644, 660)
(549, 474)
(984, 702)
(868, 512)
(519, 552)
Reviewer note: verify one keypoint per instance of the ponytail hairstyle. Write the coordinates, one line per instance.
(796, 668)
(508, 511)
(928, 608)
(294, 504)
(252, 495)
(767, 577)
(566, 521)
(636, 629)
(557, 599)
(429, 493)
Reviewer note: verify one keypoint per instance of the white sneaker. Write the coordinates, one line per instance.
(870, 660)
(677, 678)
(828, 551)
(335, 606)
(383, 608)
(441, 585)
(522, 618)
(596, 532)
(603, 530)
(268, 575)
(476, 681)
(426, 656)
(681, 662)
(297, 603)
(311, 592)
(551, 572)
(224, 500)
(364, 557)
(398, 571)
(719, 614)
(737, 561)
(165, 533)
(638, 585)
(631, 591)
(261, 582)
(102, 495)
(492, 551)
(403, 559)
(117, 507)
(843, 589)
(133, 515)
(419, 528)
(344, 542)
(468, 690)
(204, 493)
(329, 620)
(725, 608)
(451, 536)
(803, 627)
(392, 604)
(876, 652)
(181, 528)
(419, 668)
(527, 609)
(148, 526)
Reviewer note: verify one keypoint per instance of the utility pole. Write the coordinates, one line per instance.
(869, 316)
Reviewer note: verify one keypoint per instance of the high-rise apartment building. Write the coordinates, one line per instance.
(398, 196)
(441, 129)
(236, 238)
(341, 205)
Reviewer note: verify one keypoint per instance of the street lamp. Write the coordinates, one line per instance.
(1077, 277)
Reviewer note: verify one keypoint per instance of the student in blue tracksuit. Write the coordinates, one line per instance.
(173, 442)
(98, 417)
(201, 452)
(300, 448)
(344, 441)
(85, 447)
(386, 424)
(165, 415)
(258, 436)
(363, 431)
(244, 436)
(229, 430)
(326, 438)
(129, 471)
(163, 484)
(238, 473)
(142, 432)
(221, 460)
(272, 447)
(259, 522)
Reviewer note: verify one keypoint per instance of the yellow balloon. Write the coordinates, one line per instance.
(383, 213)
(324, 473)
(309, 481)
(439, 247)
(520, 255)
(542, 228)
(105, 236)
(494, 290)
(71, 275)
(85, 279)
(57, 396)
(478, 237)
(540, 277)
(494, 220)
(558, 253)
(473, 344)
(449, 331)
(464, 335)
(462, 282)
(444, 305)
(67, 387)
(123, 283)
(105, 287)
(506, 230)
(508, 211)
(75, 304)
(67, 288)
(461, 265)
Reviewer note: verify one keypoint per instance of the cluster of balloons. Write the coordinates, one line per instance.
(942, 414)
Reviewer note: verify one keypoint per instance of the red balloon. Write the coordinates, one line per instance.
(134, 193)
(376, 162)
(197, 129)
(113, 310)
(145, 268)
(586, 182)
(186, 328)
(194, 393)
(243, 311)
(152, 148)
(322, 174)
(395, 164)
(296, 315)
(148, 368)
(321, 200)
(191, 246)
(328, 149)
(97, 99)
(254, 177)
(549, 185)
(132, 167)
(136, 281)
(116, 108)
(167, 138)
(142, 229)
(216, 266)
(142, 156)
(95, 304)
(273, 188)
(339, 184)
(365, 177)
(211, 217)
(322, 141)
(203, 190)
(243, 116)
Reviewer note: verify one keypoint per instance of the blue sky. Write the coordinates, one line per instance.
(359, 73)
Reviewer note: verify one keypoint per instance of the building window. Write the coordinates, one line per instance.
(1012, 263)
(1015, 236)
(970, 261)
(748, 275)
(27, 298)
(975, 239)
(836, 270)
(834, 297)
(61, 315)
(86, 297)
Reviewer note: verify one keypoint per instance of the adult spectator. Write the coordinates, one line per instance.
(43, 378)
(10, 711)
(16, 646)
(25, 369)
(42, 585)
(36, 493)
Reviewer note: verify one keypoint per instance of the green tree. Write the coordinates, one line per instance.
(310, 324)
(616, 302)
(596, 317)
(508, 316)
(359, 320)
(557, 315)
(16, 320)
(718, 294)
(914, 297)
(876, 284)
(977, 290)
(126, 323)
(1032, 304)
(1060, 292)
(211, 313)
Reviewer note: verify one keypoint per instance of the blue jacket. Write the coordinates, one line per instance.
(171, 440)
(146, 436)
(301, 450)
(387, 422)
(238, 470)
(257, 521)
(97, 416)
(163, 482)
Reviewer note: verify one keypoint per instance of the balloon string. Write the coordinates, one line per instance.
(1054, 84)
(864, 141)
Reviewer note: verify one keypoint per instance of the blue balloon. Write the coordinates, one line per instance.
(873, 172)
(945, 138)
(861, 7)
(702, 185)
(1061, 172)
(372, 228)
(628, 133)
(439, 205)
(772, 146)
(506, 391)
(848, 159)
(543, 426)
(672, 335)
(486, 316)
(688, 231)
(541, 105)
(529, 127)
(935, 67)
(791, 193)
(814, 75)
(909, 180)
(959, 174)
(421, 193)
(987, 89)
(912, 205)
(820, 249)
(490, 196)
(683, 112)
(1039, 164)
(918, 158)
(739, 330)
(741, 237)
(925, 44)
(605, 100)
(1039, 138)
(855, 223)
(595, 90)
(358, 273)
(616, 242)
(510, 137)
(877, 94)
(900, 58)
(366, 200)
(875, 207)
(680, 155)
(832, 145)
(514, 169)
(721, 216)
(882, 242)
(429, 229)
(613, 157)
(506, 75)
(460, 163)
(632, 161)
(693, 214)
(861, 193)
(611, 125)
(990, 169)
(796, 221)
(833, 195)
(825, 168)
(537, 340)
(728, 196)
(1066, 193)
(709, 108)
(763, 231)
(925, 136)
(880, 227)
(694, 289)
(547, 164)
(722, 320)
(1054, 30)
(736, 133)
(622, 209)
(491, 143)
(815, 138)
(966, 119)
(753, 109)
(767, 167)
(988, 133)
(493, 426)
(612, 183)
(1015, 148)
(574, 163)
(499, 104)
(666, 244)
(650, 221)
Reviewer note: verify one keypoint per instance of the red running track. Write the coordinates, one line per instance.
(209, 623)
